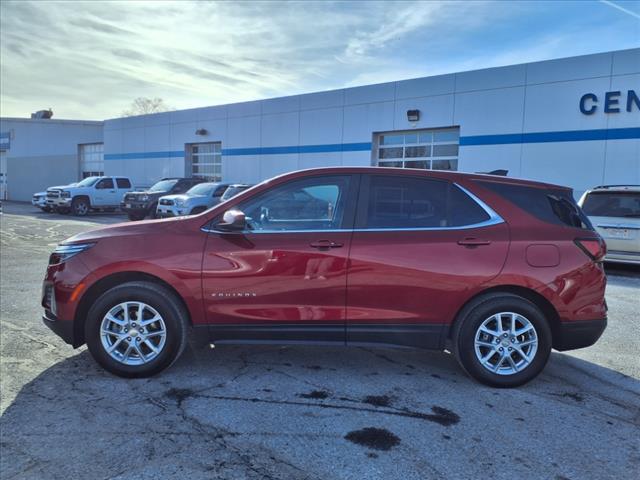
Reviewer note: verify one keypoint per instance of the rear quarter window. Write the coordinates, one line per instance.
(555, 206)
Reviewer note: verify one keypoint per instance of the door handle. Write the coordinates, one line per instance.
(473, 242)
(325, 244)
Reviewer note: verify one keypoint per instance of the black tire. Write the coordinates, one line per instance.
(471, 318)
(153, 211)
(80, 207)
(197, 210)
(135, 216)
(164, 302)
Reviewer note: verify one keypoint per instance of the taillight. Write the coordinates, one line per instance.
(595, 248)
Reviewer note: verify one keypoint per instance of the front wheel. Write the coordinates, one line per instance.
(502, 340)
(136, 329)
(80, 207)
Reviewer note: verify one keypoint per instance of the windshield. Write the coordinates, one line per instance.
(163, 185)
(232, 192)
(202, 189)
(612, 204)
(87, 182)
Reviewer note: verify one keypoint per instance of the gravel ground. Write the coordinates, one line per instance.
(301, 412)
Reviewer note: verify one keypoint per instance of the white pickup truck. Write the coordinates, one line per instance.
(92, 193)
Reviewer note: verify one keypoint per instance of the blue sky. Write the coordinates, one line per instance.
(90, 60)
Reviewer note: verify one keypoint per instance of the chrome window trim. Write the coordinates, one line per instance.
(619, 225)
(494, 219)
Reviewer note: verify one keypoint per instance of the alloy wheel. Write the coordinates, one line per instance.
(133, 333)
(506, 343)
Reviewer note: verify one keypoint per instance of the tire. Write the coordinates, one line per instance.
(159, 302)
(197, 210)
(80, 207)
(46, 209)
(153, 211)
(135, 216)
(498, 370)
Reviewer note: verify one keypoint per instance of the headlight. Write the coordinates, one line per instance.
(179, 202)
(62, 253)
(65, 194)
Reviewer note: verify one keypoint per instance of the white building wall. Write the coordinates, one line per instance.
(492, 107)
(44, 152)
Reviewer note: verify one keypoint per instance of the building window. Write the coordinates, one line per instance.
(206, 160)
(91, 159)
(426, 149)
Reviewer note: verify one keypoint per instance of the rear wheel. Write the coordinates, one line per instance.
(80, 207)
(502, 340)
(136, 329)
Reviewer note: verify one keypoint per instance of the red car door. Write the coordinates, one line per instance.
(420, 248)
(283, 277)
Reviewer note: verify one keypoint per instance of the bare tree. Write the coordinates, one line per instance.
(144, 105)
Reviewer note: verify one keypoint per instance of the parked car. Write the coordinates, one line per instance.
(233, 190)
(92, 193)
(138, 205)
(615, 212)
(39, 200)
(196, 200)
(496, 270)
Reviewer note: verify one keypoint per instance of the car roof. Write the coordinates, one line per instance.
(438, 174)
(615, 188)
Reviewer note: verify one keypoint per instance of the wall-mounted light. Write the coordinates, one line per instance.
(413, 115)
(201, 131)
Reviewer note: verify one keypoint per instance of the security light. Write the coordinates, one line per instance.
(413, 115)
(201, 131)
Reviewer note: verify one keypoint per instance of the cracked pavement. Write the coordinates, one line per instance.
(300, 412)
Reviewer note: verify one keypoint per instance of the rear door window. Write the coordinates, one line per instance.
(612, 204)
(405, 202)
(123, 183)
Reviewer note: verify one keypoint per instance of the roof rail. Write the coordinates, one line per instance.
(613, 186)
(499, 172)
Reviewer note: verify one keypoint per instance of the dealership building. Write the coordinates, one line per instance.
(572, 121)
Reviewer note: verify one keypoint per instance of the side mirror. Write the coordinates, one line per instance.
(232, 221)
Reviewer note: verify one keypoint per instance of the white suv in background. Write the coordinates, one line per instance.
(614, 211)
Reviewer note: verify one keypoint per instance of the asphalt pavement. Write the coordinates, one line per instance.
(303, 412)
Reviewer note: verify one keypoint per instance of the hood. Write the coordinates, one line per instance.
(60, 187)
(145, 227)
(177, 196)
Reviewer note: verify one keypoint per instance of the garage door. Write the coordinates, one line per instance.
(3, 175)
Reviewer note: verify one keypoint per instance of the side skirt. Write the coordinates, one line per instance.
(414, 336)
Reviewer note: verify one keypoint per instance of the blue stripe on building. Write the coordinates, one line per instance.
(500, 139)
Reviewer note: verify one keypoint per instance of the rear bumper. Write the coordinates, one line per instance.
(578, 334)
(62, 328)
(616, 256)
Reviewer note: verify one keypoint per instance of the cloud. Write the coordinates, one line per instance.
(91, 59)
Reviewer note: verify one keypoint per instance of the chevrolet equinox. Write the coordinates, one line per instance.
(496, 270)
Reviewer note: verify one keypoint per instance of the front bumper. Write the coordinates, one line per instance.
(62, 328)
(164, 211)
(578, 334)
(135, 207)
(59, 202)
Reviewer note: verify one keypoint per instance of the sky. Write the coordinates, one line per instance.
(89, 60)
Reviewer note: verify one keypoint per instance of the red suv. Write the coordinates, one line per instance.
(494, 269)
